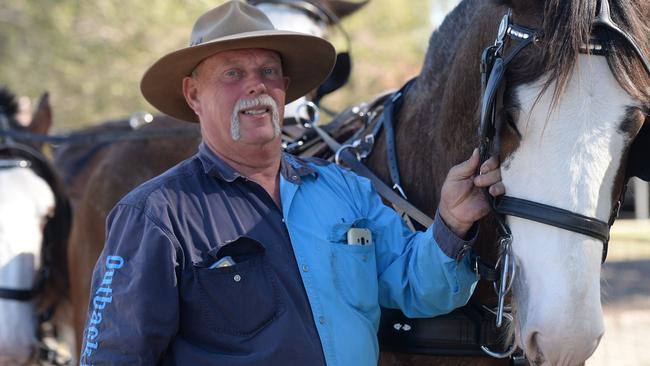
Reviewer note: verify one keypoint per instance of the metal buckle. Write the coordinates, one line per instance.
(399, 190)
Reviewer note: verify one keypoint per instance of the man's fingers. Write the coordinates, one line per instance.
(467, 168)
(490, 164)
(489, 178)
(497, 189)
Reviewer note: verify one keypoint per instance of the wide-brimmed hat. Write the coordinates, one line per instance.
(306, 59)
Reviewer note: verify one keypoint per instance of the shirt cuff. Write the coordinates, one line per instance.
(450, 244)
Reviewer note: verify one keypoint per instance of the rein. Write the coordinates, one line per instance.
(82, 138)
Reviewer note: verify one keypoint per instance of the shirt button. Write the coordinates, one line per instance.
(305, 268)
(321, 319)
(237, 278)
(294, 177)
(283, 220)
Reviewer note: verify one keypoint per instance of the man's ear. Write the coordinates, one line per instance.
(190, 92)
(287, 81)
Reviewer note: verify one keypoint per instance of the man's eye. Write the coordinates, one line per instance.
(232, 73)
(269, 71)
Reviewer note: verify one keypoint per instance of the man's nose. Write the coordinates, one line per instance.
(257, 87)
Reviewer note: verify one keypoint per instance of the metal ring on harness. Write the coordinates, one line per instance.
(337, 155)
(511, 349)
(307, 105)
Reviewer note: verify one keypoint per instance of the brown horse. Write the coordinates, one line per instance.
(97, 175)
(569, 120)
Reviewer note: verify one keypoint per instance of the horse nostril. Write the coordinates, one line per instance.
(560, 350)
(533, 351)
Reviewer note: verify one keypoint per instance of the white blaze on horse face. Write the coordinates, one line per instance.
(570, 161)
(288, 18)
(25, 200)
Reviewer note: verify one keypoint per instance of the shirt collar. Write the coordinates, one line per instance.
(292, 168)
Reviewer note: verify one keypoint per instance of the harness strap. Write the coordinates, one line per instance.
(380, 186)
(391, 107)
(18, 295)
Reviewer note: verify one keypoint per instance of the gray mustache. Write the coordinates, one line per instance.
(262, 100)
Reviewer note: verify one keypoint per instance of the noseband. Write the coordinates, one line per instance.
(493, 69)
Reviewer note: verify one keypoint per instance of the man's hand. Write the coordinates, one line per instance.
(462, 202)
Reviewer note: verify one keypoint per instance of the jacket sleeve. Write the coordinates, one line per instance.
(417, 274)
(133, 305)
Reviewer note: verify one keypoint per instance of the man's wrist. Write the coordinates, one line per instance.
(450, 243)
(457, 227)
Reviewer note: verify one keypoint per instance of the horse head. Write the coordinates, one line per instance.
(34, 220)
(573, 103)
(564, 106)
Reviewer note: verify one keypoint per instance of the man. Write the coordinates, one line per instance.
(243, 255)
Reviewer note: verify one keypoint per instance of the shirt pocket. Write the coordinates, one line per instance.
(355, 267)
(241, 299)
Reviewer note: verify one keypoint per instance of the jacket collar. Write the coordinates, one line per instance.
(292, 168)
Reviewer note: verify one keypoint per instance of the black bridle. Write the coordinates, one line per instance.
(494, 66)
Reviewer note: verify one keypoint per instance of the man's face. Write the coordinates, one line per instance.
(239, 97)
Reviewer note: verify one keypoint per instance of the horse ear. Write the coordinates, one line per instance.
(42, 118)
(343, 8)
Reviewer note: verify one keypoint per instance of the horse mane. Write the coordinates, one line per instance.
(566, 26)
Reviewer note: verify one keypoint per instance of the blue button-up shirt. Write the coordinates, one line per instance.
(298, 292)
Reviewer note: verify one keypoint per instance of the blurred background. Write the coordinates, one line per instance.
(90, 56)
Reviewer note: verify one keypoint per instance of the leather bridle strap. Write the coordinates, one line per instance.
(604, 19)
(18, 295)
(391, 107)
(553, 216)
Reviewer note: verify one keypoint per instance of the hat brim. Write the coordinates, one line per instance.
(307, 60)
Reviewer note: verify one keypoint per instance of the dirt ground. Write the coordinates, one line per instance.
(626, 298)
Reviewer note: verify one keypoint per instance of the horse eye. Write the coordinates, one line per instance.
(511, 116)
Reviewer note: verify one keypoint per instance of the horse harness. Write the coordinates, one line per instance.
(56, 229)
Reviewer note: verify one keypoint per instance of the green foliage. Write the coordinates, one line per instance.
(90, 55)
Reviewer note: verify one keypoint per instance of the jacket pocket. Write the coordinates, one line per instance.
(355, 268)
(240, 299)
